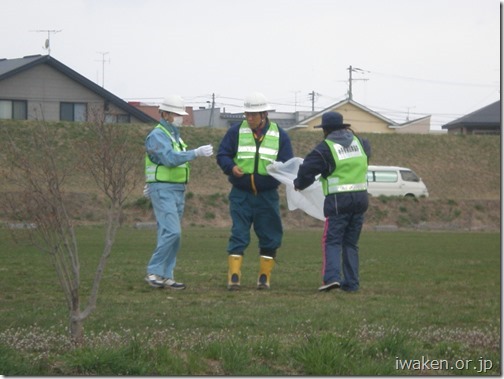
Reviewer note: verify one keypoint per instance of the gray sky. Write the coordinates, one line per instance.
(418, 57)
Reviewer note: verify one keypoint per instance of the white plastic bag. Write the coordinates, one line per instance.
(310, 200)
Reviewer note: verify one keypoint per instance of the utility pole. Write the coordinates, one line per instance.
(312, 95)
(210, 122)
(103, 65)
(47, 44)
(350, 80)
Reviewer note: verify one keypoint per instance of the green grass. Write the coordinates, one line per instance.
(423, 295)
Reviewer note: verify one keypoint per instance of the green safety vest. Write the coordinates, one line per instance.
(351, 172)
(158, 173)
(251, 155)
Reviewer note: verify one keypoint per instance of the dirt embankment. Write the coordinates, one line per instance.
(462, 174)
(385, 214)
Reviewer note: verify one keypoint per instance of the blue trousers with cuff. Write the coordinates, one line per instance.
(341, 251)
(262, 210)
(168, 208)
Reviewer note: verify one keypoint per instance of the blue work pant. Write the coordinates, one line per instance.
(263, 212)
(340, 251)
(168, 208)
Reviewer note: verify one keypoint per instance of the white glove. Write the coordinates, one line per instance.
(146, 191)
(204, 151)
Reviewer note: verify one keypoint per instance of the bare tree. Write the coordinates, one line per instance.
(38, 169)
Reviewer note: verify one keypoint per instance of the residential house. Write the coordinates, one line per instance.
(486, 120)
(39, 87)
(365, 120)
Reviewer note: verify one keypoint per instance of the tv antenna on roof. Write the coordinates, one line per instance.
(103, 60)
(47, 44)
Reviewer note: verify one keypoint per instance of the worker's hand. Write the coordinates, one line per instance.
(204, 151)
(146, 192)
(237, 171)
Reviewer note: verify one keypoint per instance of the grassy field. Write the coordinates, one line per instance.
(425, 297)
(430, 303)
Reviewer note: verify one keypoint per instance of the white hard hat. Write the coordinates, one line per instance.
(174, 104)
(256, 102)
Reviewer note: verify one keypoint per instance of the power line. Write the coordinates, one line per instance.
(392, 113)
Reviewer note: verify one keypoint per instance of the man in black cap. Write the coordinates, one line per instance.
(342, 160)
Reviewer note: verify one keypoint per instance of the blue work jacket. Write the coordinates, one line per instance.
(227, 152)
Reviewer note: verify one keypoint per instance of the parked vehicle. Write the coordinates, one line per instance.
(395, 181)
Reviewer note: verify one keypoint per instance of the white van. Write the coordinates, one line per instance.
(395, 181)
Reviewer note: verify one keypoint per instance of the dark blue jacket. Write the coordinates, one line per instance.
(321, 161)
(227, 152)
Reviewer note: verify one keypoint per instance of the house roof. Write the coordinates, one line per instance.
(489, 116)
(348, 101)
(411, 122)
(11, 67)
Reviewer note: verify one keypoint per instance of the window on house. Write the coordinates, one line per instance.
(117, 118)
(123, 119)
(73, 112)
(13, 110)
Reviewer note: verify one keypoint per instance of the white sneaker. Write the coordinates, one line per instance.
(155, 280)
(329, 286)
(170, 283)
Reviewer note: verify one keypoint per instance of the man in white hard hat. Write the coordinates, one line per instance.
(244, 153)
(166, 174)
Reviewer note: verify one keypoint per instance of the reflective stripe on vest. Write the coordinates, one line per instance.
(159, 173)
(249, 152)
(351, 168)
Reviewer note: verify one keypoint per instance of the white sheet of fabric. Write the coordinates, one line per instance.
(310, 200)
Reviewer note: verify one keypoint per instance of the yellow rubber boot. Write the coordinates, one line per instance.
(234, 271)
(265, 268)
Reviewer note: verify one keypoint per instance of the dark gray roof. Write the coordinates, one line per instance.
(11, 67)
(489, 116)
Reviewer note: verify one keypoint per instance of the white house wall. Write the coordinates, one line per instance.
(417, 127)
(201, 118)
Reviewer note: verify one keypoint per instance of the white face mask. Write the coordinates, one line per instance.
(177, 121)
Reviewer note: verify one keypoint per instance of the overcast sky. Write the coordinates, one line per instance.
(417, 57)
